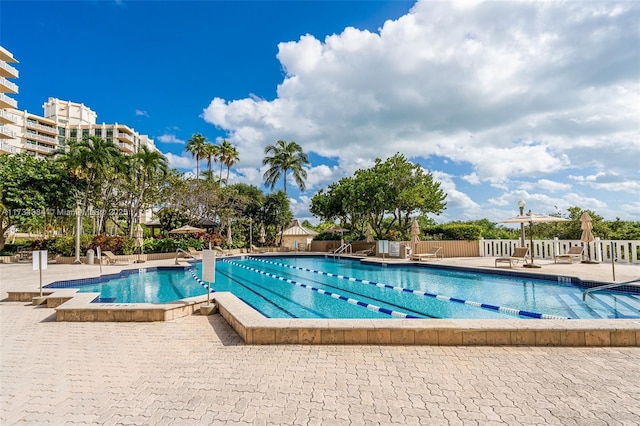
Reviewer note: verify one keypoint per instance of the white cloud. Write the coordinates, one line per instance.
(529, 91)
(170, 138)
(142, 113)
(180, 162)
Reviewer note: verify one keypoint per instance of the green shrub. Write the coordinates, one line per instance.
(454, 232)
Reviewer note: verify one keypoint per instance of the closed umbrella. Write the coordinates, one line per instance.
(229, 239)
(263, 235)
(587, 234)
(369, 238)
(415, 235)
(530, 218)
(139, 241)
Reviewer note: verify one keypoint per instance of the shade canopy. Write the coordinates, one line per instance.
(532, 218)
(186, 230)
(336, 229)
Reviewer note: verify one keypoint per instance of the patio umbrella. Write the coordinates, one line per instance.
(263, 235)
(229, 239)
(186, 230)
(530, 218)
(336, 229)
(415, 235)
(369, 238)
(587, 234)
(139, 241)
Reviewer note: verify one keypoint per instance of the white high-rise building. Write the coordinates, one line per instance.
(63, 120)
(7, 104)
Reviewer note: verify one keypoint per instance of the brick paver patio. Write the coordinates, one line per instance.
(196, 370)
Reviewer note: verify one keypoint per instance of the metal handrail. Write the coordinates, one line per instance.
(187, 253)
(606, 286)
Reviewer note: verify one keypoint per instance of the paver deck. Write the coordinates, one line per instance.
(196, 370)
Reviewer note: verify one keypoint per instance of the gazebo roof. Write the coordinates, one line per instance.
(297, 229)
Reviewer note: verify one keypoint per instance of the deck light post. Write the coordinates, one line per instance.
(77, 260)
(521, 205)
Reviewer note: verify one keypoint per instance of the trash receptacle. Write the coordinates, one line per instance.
(90, 255)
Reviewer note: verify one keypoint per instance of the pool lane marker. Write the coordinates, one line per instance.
(502, 309)
(369, 306)
(202, 283)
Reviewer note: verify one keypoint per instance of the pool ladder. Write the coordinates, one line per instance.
(187, 253)
(342, 249)
(606, 286)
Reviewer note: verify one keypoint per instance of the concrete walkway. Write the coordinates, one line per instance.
(195, 370)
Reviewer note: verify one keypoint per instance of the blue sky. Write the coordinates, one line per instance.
(501, 101)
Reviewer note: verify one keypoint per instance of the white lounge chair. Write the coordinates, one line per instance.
(574, 252)
(365, 252)
(519, 255)
(433, 253)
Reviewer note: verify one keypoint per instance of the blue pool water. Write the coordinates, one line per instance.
(326, 287)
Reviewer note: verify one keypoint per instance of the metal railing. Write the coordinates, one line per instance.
(185, 252)
(606, 287)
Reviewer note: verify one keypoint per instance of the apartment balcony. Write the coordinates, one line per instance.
(39, 148)
(8, 87)
(7, 70)
(125, 136)
(51, 130)
(5, 148)
(125, 147)
(6, 133)
(7, 102)
(7, 117)
(42, 138)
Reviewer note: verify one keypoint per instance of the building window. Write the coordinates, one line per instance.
(85, 133)
(74, 133)
(62, 131)
(98, 132)
(109, 133)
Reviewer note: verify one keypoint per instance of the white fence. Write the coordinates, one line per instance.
(624, 251)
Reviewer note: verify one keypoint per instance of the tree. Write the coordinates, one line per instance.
(276, 213)
(211, 152)
(282, 157)
(387, 196)
(146, 168)
(228, 156)
(197, 147)
(34, 193)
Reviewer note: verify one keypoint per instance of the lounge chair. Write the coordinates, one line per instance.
(255, 249)
(193, 252)
(222, 251)
(519, 255)
(433, 253)
(574, 252)
(108, 257)
(366, 252)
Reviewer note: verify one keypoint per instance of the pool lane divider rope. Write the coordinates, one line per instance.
(502, 309)
(202, 283)
(371, 307)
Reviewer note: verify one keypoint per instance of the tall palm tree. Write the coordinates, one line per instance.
(285, 156)
(90, 159)
(211, 152)
(229, 156)
(196, 146)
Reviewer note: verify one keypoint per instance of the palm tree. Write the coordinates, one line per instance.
(285, 156)
(228, 156)
(197, 147)
(211, 152)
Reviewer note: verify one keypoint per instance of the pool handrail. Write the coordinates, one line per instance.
(185, 252)
(606, 287)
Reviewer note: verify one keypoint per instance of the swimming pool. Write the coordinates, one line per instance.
(327, 287)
